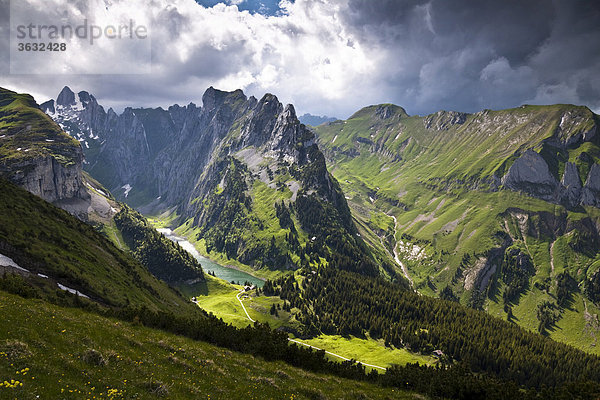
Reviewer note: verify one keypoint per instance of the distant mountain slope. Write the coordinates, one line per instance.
(241, 175)
(498, 209)
(314, 120)
(38, 156)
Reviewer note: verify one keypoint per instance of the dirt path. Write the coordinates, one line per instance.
(243, 306)
(335, 355)
(118, 241)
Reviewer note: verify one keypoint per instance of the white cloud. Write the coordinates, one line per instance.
(334, 56)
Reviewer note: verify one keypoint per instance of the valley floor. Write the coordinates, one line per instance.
(221, 299)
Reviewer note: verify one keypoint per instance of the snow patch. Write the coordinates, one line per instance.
(78, 104)
(50, 140)
(8, 262)
(2, 137)
(71, 290)
(562, 121)
(165, 231)
(43, 276)
(333, 141)
(127, 188)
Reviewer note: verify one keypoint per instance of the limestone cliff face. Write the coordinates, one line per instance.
(590, 194)
(571, 186)
(531, 174)
(49, 179)
(35, 154)
(156, 157)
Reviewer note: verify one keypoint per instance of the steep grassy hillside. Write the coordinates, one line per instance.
(162, 257)
(46, 240)
(486, 206)
(335, 302)
(79, 355)
(39, 137)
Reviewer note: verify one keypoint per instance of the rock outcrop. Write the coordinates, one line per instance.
(530, 174)
(443, 120)
(49, 179)
(35, 154)
(571, 186)
(591, 191)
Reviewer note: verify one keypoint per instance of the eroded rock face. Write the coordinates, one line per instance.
(38, 156)
(50, 180)
(591, 191)
(443, 120)
(530, 174)
(571, 185)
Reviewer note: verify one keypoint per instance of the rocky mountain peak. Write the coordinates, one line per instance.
(381, 112)
(213, 98)
(443, 120)
(86, 98)
(289, 112)
(66, 97)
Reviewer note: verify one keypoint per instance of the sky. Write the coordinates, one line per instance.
(333, 57)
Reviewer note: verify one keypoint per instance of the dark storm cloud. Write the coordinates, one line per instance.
(469, 55)
(335, 56)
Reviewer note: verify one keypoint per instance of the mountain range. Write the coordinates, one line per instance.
(496, 210)
(314, 120)
(218, 171)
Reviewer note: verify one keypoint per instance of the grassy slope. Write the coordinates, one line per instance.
(48, 240)
(18, 143)
(141, 363)
(219, 298)
(447, 223)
